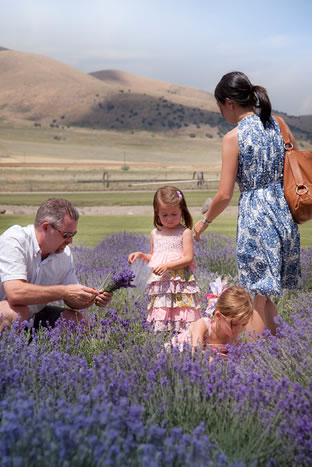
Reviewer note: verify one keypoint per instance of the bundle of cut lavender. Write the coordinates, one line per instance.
(118, 280)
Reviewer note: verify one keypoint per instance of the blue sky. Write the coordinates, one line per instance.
(189, 42)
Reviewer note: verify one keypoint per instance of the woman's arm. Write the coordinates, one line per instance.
(224, 194)
(186, 260)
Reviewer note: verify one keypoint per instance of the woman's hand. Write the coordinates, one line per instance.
(199, 228)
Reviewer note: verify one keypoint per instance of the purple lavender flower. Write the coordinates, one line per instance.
(114, 397)
(118, 280)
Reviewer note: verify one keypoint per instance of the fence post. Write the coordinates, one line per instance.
(106, 178)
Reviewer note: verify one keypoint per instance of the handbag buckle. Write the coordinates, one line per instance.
(288, 146)
(301, 190)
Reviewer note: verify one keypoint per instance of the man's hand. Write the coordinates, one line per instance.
(79, 296)
(103, 299)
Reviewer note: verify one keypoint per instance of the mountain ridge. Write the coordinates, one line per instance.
(44, 91)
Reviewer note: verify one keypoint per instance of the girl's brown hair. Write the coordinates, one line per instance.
(235, 303)
(171, 195)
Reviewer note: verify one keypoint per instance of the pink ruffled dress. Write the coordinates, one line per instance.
(174, 296)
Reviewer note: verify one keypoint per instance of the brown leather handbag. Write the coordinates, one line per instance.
(297, 179)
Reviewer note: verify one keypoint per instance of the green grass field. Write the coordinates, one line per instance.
(81, 144)
(92, 229)
(25, 151)
(134, 198)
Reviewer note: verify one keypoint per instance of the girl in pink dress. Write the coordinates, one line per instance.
(174, 302)
(231, 314)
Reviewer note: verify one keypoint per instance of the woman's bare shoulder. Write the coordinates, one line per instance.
(231, 135)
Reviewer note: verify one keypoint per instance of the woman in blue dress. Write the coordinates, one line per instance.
(267, 241)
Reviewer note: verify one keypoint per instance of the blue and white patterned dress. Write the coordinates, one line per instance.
(268, 242)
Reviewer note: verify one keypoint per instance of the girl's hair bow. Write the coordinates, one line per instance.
(217, 287)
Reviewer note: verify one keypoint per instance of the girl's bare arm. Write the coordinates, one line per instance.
(198, 331)
(140, 255)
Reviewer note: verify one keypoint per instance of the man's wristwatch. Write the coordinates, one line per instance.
(204, 221)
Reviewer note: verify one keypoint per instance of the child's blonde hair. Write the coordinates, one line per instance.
(171, 195)
(235, 303)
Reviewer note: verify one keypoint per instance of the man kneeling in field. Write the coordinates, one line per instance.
(37, 268)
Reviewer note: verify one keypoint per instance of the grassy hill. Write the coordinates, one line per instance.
(136, 111)
(43, 90)
(46, 92)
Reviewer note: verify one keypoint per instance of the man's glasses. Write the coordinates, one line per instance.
(65, 235)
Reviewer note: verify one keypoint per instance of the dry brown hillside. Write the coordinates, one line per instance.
(44, 90)
(41, 89)
(47, 92)
(177, 94)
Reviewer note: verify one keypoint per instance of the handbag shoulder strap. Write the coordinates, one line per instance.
(283, 130)
(292, 158)
(295, 169)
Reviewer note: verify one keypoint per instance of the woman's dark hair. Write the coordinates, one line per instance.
(171, 195)
(237, 87)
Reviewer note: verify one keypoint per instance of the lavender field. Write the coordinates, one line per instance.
(113, 397)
